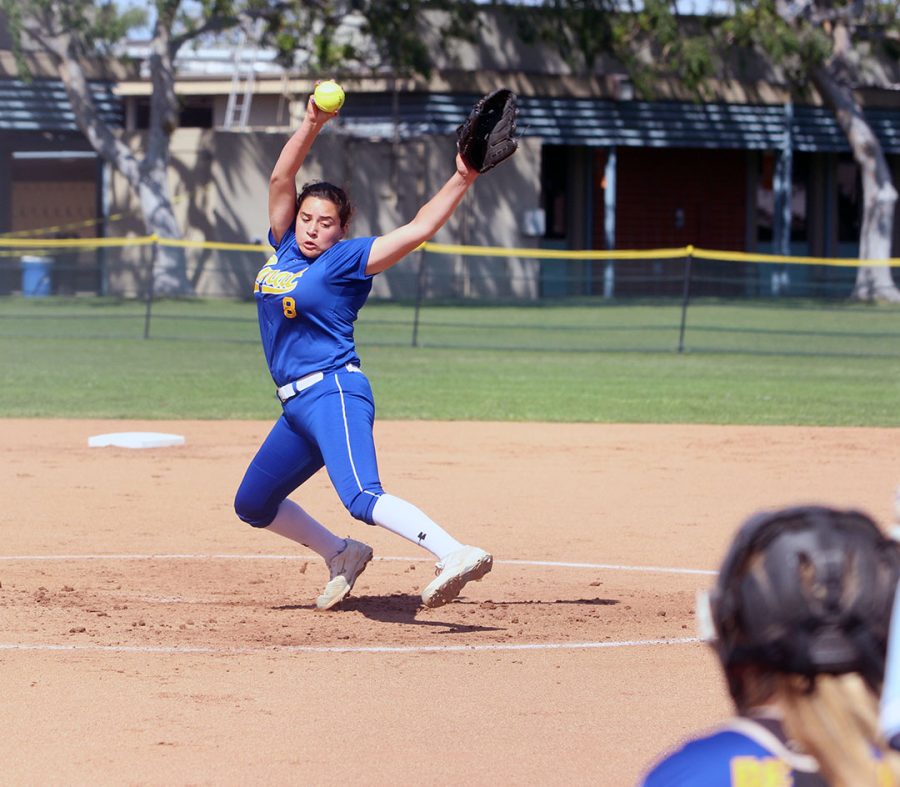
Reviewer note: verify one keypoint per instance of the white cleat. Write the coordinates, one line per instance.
(344, 569)
(468, 564)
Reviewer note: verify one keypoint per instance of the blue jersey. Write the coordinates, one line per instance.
(742, 753)
(307, 308)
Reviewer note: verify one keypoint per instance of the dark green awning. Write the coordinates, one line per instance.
(42, 105)
(605, 123)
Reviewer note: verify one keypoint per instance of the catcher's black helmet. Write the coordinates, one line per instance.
(806, 591)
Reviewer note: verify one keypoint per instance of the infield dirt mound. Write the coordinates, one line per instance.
(225, 605)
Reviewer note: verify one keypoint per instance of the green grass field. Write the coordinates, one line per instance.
(743, 364)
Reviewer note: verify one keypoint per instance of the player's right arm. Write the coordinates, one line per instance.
(282, 182)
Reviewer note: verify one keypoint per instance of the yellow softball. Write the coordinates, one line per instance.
(329, 96)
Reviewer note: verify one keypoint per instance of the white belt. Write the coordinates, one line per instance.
(291, 389)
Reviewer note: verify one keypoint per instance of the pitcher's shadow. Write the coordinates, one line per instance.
(404, 607)
(393, 608)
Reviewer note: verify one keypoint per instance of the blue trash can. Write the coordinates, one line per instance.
(36, 276)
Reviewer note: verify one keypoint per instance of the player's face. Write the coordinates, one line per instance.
(318, 226)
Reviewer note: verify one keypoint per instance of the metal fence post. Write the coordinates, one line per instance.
(420, 289)
(685, 297)
(154, 249)
(609, 221)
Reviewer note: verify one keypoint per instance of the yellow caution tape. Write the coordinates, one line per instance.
(743, 256)
(75, 243)
(74, 225)
(203, 244)
(554, 254)
(682, 252)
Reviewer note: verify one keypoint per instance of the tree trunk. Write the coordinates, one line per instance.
(170, 267)
(148, 179)
(873, 282)
(169, 264)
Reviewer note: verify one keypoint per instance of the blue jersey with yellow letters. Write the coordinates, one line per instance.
(743, 753)
(307, 308)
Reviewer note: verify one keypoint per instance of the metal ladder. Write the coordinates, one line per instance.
(243, 78)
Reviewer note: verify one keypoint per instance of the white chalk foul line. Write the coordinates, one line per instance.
(611, 567)
(543, 563)
(275, 649)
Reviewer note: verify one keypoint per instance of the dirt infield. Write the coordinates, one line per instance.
(149, 637)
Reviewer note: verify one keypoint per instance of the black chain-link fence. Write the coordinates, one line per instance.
(655, 301)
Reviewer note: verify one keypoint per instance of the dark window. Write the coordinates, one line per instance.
(196, 115)
(554, 165)
(800, 198)
(849, 199)
(195, 112)
(765, 197)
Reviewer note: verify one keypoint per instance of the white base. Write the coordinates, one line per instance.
(135, 440)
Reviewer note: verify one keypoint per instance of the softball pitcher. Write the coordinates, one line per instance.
(308, 296)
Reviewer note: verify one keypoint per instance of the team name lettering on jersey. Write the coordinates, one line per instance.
(754, 772)
(272, 281)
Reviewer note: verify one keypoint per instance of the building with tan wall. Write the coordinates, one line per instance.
(597, 168)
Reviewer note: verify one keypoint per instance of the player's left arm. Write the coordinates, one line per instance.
(392, 247)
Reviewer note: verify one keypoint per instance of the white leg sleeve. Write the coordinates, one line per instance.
(294, 523)
(406, 520)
